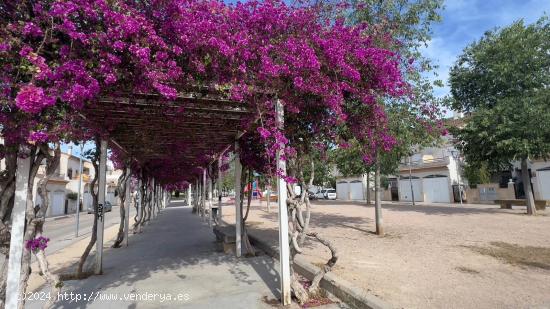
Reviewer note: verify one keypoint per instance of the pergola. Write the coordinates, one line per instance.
(146, 127)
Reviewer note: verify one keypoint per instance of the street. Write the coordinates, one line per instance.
(61, 230)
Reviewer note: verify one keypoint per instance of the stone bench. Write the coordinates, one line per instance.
(225, 235)
(507, 204)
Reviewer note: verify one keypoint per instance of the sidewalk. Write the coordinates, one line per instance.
(175, 257)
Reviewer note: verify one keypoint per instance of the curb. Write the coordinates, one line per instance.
(344, 290)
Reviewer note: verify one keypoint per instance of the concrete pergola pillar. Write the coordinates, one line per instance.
(128, 201)
(284, 249)
(219, 190)
(197, 196)
(101, 203)
(17, 232)
(210, 195)
(189, 192)
(140, 202)
(203, 192)
(238, 214)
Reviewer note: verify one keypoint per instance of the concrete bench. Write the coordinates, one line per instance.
(507, 204)
(225, 235)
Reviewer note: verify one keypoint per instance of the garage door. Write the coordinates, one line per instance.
(87, 201)
(544, 183)
(405, 189)
(356, 190)
(342, 190)
(436, 189)
(58, 203)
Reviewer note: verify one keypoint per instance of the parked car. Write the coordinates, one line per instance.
(312, 196)
(330, 194)
(108, 207)
(320, 194)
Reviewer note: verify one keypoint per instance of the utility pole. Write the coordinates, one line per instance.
(79, 189)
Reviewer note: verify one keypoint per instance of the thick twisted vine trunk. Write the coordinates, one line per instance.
(141, 212)
(121, 189)
(35, 216)
(54, 280)
(250, 251)
(80, 273)
(7, 192)
(149, 194)
(299, 230)
(139, 203)
(146, 205)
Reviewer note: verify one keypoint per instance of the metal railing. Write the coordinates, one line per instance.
(432, 162)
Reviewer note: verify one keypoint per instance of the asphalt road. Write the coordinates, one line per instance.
(61, 230)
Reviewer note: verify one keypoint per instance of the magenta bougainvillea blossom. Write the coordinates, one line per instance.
(39, 243)
(58, 57)
(31, 99)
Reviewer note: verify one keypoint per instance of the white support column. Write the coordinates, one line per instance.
(17, 231)
(238, 214)
(196, 201)
(203, 193)
(140, 204)
(128, 202)
(220, 190)
(284, 250)
(163, 198)
(189, 192)
(101, 204)
(209, 179)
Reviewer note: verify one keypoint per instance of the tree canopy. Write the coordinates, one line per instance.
(59, 57)
(503, 81)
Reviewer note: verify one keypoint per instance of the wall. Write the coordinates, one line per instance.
(473, 195)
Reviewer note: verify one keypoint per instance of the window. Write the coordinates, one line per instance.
(504, 179)
(70, 173)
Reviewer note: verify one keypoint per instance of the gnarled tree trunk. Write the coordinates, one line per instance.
(529, 198)
(299, 229)
(80, 272)
(7, 192)
(121, 189)
(35, 217)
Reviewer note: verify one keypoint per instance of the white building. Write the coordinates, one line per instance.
(63, 186)
(431, 175)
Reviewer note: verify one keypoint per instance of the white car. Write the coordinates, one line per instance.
(320, 194)
(330, 194)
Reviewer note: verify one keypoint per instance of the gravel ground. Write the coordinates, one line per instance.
(444, 256)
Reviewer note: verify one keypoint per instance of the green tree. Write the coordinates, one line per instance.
(504, 81)
(411, 120)
(477, 173)
(323, 169)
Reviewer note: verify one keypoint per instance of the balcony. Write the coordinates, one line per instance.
(85, 177)
(425, 163)
(59, 177)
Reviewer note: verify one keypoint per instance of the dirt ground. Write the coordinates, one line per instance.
(444, 256)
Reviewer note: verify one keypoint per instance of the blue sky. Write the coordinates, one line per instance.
(465, 21)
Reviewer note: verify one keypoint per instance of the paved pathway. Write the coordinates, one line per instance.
(175, 257)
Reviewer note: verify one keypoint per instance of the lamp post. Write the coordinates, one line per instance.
(410, 180)
(456, 156)
(79, 188)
